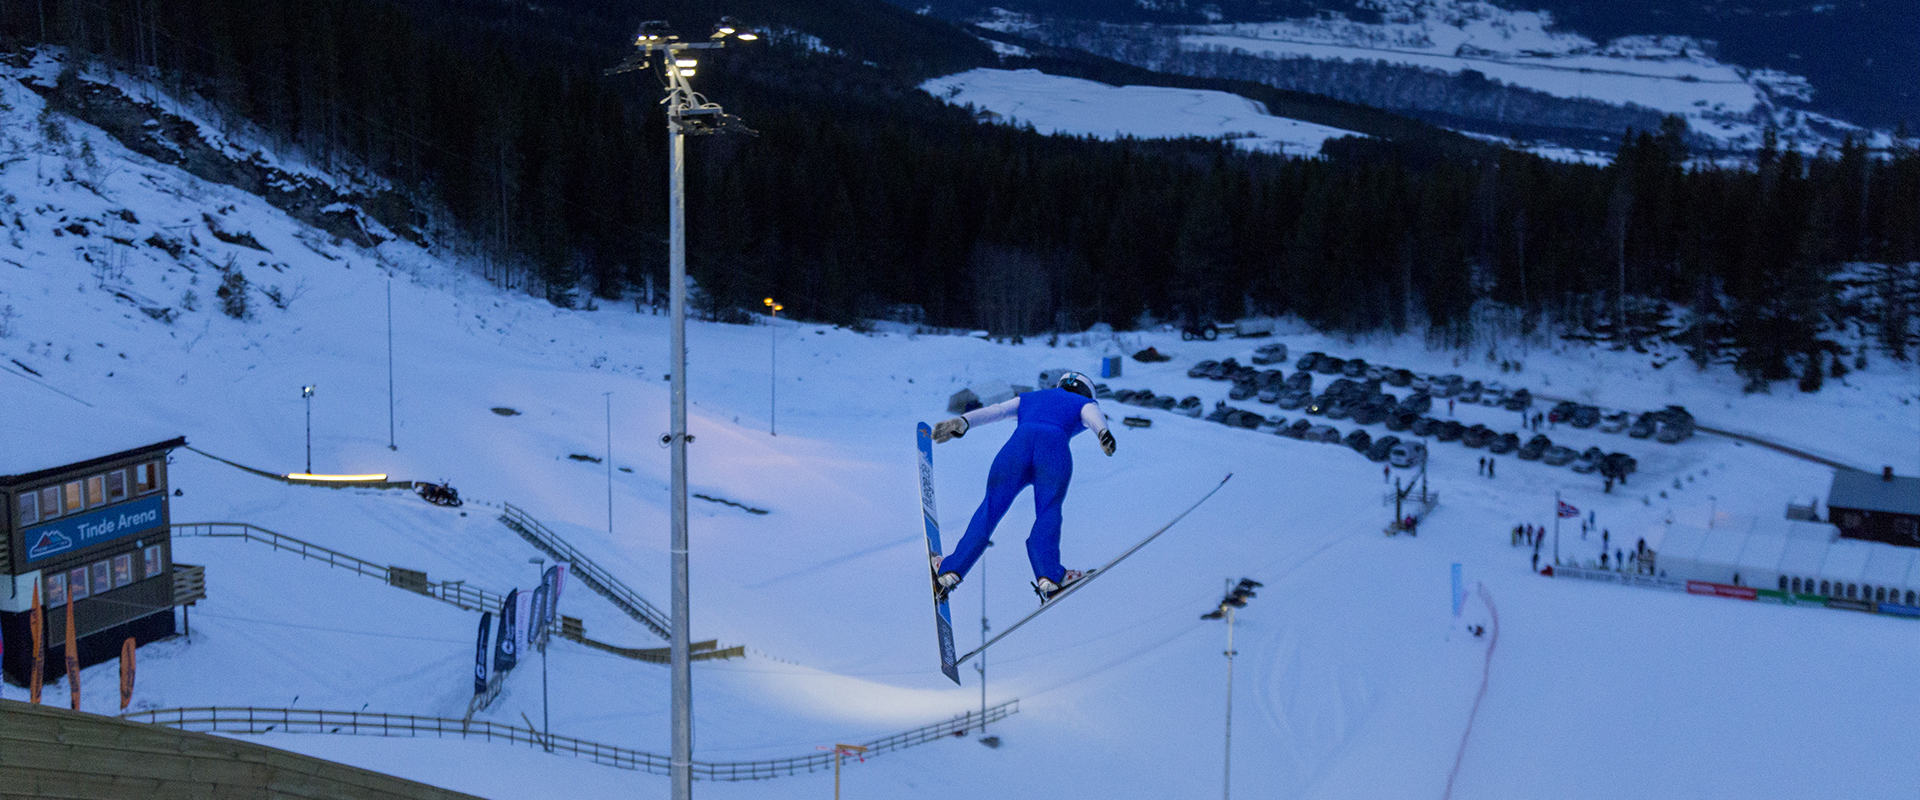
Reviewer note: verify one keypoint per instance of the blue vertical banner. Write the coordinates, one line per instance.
(480, 655)
(1459, 591)
(536, 626)
(506, 644)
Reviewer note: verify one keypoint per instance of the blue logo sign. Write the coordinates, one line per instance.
(86, 530)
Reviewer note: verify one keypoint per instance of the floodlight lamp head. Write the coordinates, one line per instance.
(307, 391)
(655, 31)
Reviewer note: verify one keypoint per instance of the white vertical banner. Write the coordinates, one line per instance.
(523, 622)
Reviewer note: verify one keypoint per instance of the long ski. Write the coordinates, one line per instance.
(1075, 586)
(942, 616)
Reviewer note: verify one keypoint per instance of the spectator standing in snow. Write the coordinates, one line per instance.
(1483, 466)
(1489, 466)
(1536, 561)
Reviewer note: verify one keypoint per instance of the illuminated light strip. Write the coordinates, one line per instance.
(302, 476)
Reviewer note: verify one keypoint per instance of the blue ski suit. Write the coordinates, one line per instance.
(1036, 455)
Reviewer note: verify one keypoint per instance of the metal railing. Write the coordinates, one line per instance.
(227, 719)
(586, 570)
(457, 593)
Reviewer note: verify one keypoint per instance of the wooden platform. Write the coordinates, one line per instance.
(48, 752)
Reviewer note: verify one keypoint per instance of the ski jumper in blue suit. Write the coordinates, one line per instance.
(1036, 455)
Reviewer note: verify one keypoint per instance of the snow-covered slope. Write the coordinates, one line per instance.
(1352, 681)
(1076, 107)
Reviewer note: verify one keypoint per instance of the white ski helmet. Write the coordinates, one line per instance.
(1078, 383)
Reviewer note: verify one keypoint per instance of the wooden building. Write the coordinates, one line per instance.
(1879, 508)
(92, 532)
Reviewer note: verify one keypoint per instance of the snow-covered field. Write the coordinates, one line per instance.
(1077, 107)
(1353, 678)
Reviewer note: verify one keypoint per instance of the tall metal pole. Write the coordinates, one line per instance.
(609, 396)
(681, 666)
(773, 366)
(391, 445)
(306, 392)
(1226, 784)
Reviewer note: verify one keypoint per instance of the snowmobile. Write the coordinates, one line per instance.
(439, 494)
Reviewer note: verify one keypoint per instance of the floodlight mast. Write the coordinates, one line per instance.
(687, 114)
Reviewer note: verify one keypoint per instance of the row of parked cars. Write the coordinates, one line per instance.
(1670, 425)
(1384, 449)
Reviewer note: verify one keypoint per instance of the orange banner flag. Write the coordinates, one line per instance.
(73, 658)
(39, 626)
(126, 673)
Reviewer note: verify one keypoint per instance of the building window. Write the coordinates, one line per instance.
(1908, 527)
(29, 508)
(1824, 588)
(50, 502)
(1796, 585)
(77, 584)
(154, 564)
(102, 577)
(97, 491)
(1852, 591)
(122, 570)
(1783, 583)
(75, 501)
(1880, 594)
(116, 486)
(55, 594)
(146, 478)
(1909, 597)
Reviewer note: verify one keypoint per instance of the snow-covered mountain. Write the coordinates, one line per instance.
(1353, 678)
(1479, 67)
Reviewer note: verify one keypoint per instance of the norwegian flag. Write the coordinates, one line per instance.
(1567, 510)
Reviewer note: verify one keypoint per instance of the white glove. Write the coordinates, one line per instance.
(1106, 442)
(950, 429)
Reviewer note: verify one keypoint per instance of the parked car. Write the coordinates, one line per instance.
(1242, 390)
(1273, 424)
(1453, 384)
(1298, 430)
(1477, 436)
(1504, 443)
(1309, 362)
(1382, 447)
(1225, 371)
(1519, 400)
(1399, 377)
(1557, 455)
(1355, 368)
(1272, 377)
(1645, 425)
(1614, 421)
(1535, 447)
(1618, 466)
(1191, 406)
(1273, 353)
(1562, 411)
(1407, 454)
(1340, 387)
(1675, 424)
(1470, 393)
(1244, 419)
(1494, 394)
(1423, 426)
(1421, 382)
(1339, 409)
(1219, 412)
(1399, 420)
(1358, 441)
(1450, 431)
(1271, 394)
(1302, 380)
(1589, 460)
(1101, 392)
(1329, 365)
(1585, 417)
(1203, 369)
(1294, 398)
(1164, 402)
(1418, 403)
(1199, 329)
(1326, 434)
(1124, 396)
(1369, 413)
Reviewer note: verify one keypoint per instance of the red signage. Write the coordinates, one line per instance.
(1721, 590)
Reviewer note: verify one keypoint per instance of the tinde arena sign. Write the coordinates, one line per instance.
(86, 530)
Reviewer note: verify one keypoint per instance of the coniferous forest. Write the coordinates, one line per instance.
(858, 196)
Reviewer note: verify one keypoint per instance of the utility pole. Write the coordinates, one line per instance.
(391, 445)
(1236, 598)
(687, 113)
(773, 365)
(306, 393)
(609, 396)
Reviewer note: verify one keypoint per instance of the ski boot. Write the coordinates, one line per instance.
(943, 582)
(1047, 589)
